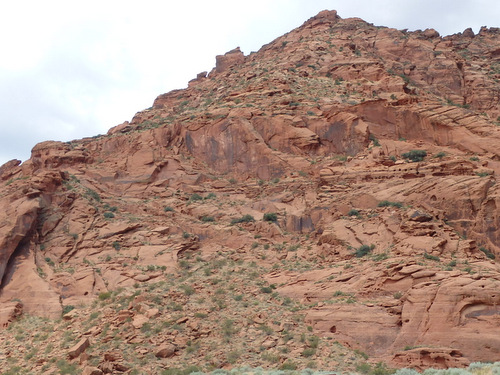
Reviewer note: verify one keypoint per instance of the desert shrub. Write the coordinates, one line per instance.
(308, 352)
(375, 141)
(266, 289)
(116, 245)
(364, 250)
(431, 257)
(67, 309)
(92, 194)
(66, 368)
(354, 212)
(168, 209)
(228, 328)
(390, 204)
(440, 155)
(195, 197)
(487, 252)
(482, 174)
(49, 261)
(104, 295)
(109, 215)
(272, 216)
(381, 369)
(208, 219)
(415, 155)
(288, 365)
(243, 219)
(363, 368)
(187, 289)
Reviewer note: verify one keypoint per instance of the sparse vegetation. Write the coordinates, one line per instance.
(354, 212)
(364, 250)
(217, 287)
(415, 155)
(271, 216)
(243, 219)
(390, 204)
(487, 252)
(431, 257)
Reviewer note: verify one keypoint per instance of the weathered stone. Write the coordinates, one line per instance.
(78, 348)
(166, 351)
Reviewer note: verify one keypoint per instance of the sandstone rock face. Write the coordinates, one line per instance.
(231, 58)
(353, 166)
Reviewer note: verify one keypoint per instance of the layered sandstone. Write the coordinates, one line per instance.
(314, 128)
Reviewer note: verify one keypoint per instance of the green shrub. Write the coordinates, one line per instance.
(187, 289)
(288, 365)
(364, 250)
(308, 352)
(49, 261)
(272, 216)
(363, 368)
(208, 219)
(243, 219)
(109, 215)
(415, 155)
(92, 194)
(354, 212)
(116, 245)
(431, 257)
(66, 368)
(375, 141)
(487, 252)
(168, 209)
(381, 369)
(266, 289)
(66, 309)
(390, 204)
(440, 154)
(104, 295)
(195, 197)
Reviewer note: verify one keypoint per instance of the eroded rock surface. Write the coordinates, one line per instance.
(368, 153)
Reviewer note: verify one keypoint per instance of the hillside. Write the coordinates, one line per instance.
(327, 202)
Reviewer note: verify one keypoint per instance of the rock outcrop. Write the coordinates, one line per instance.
(352, 167)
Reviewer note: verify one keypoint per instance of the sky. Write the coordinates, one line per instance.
(74, 69)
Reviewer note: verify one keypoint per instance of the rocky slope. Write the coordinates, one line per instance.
(327, 200)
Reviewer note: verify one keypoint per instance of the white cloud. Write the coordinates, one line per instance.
(74, 69)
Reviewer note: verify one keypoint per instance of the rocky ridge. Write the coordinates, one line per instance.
(327, 199)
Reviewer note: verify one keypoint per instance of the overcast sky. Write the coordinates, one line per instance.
(73, 69)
